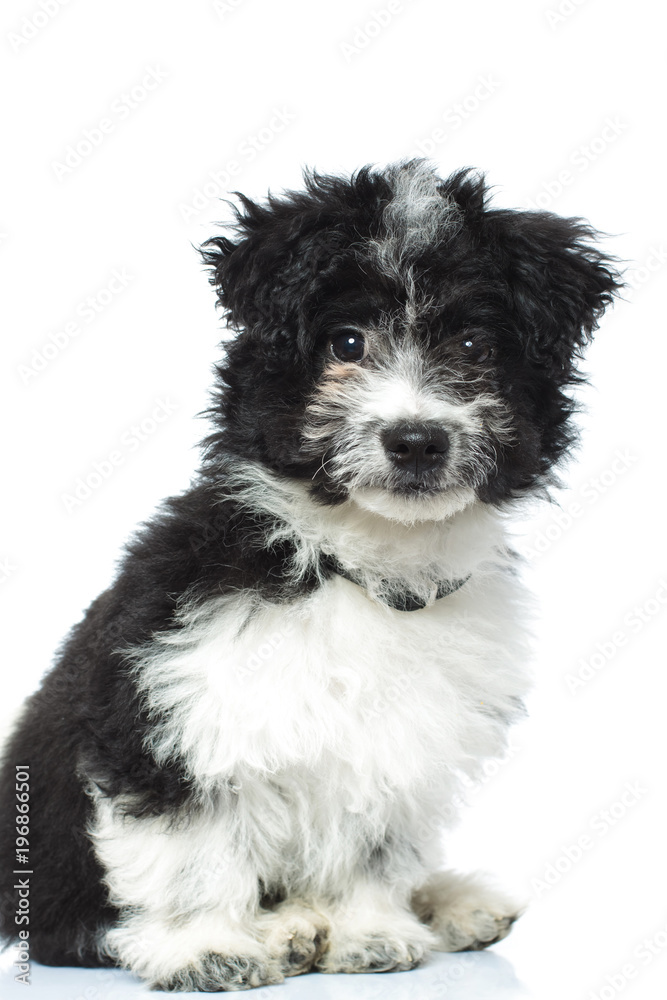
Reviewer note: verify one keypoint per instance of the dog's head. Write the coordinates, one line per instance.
(400, 343)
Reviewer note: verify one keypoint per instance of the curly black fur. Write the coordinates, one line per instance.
(300, 264)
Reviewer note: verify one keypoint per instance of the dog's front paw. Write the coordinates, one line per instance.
(464, 911)
(296, 935)
(378, 950)
(214, 973)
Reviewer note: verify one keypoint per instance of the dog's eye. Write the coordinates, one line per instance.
(348, 346)
(476, 349)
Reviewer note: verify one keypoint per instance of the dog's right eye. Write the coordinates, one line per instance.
(349, 345)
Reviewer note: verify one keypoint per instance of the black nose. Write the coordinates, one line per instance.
(416, 448)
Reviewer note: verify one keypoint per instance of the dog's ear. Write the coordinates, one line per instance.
(281, 248)
(281, 253)
(249, 273)
(559, 283)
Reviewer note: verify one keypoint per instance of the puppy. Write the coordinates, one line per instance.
(241, 765)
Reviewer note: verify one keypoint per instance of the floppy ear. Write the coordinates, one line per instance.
(283, 247)
(248, 273)
(263, 278)
(559, 283)
(252, 278)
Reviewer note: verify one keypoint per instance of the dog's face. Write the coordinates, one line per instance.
(399, 343)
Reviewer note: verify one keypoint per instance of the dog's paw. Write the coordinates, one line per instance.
(214, 973)
(295, 935)
(464, 911)
(474, 930)
(376, 951)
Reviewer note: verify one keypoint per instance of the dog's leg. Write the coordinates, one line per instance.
(465, 912)
(189, 901)
(207, 952)
(374, 930)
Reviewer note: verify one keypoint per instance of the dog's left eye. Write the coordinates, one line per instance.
(476, 349)
(348, 346)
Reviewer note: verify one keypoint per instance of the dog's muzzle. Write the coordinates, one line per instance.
(418, 451)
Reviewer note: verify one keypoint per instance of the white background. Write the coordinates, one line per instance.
(522, 92)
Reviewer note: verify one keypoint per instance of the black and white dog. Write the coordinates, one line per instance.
(241, 765)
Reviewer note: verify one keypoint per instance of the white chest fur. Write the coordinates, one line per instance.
(370, 700)
(317, 729)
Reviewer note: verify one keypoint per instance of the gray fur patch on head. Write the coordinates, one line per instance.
(418, 217)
